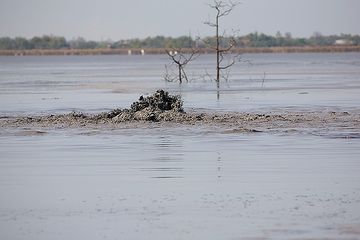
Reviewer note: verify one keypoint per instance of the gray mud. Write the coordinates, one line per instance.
(162, 108)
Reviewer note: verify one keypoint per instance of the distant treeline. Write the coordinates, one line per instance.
(253, 40)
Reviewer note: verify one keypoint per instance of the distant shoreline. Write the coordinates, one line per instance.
(153, 51)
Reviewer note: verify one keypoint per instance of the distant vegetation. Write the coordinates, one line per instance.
(251, 40)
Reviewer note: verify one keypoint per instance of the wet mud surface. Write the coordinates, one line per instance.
(313, 122)
(164, 109)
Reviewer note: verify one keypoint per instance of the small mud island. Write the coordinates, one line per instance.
(164, 109)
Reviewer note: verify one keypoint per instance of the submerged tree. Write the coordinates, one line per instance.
(180, 59)
(222, 48)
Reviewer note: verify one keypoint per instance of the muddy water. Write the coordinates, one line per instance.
(158, 181)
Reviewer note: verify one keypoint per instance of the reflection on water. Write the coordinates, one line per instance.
(167, 155)
(179, 182)
(188, 181)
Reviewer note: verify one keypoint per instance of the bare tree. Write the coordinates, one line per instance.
(222, 8)
(180, 58)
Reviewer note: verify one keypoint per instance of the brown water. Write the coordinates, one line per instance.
(178, 181)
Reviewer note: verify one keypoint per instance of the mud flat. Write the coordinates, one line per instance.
(164, 109)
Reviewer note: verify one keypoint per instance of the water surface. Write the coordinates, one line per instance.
(264, 82)
(176, 181)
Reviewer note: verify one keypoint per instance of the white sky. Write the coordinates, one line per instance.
(123, 19)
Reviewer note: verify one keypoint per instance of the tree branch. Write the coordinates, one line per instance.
(181, 58)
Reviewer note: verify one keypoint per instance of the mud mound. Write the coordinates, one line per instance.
(167, 109)
(159, 101)
(159, 106)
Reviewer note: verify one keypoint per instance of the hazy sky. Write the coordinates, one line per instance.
(123, 19)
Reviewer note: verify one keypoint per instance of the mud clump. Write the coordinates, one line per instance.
(159, 101)
(161, 106)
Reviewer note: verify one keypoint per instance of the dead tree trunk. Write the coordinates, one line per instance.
(223, 8)
(217, 47)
